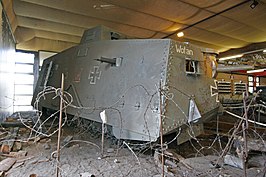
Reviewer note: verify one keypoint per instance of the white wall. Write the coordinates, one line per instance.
(43, 55)
(7, 51)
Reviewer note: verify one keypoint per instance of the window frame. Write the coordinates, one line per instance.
(194, 64)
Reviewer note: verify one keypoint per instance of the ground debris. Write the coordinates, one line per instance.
(9, 141)
(81, 159)
(7, 163)
(45, 140)
(16, 154)
(169, 166)
(2, 174)
(233, 161)
(110, 150)
(86, 174)
(177, 157)
(67, 140)
(257, 161)
(12, 161)
(17, 146)
(256, 145)
(25, 159)
(46, 146)
(18, 164)
(5, 148)
(40, 160)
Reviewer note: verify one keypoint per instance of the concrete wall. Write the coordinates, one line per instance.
(7, 50)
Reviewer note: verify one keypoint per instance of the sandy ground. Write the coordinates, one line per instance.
(83, 158)
(76, 160)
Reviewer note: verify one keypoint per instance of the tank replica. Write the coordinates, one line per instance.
(138, 82)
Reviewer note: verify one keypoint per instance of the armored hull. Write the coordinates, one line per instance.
(136, 82)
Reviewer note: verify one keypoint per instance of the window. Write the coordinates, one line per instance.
(253, 82)
(23, 68)
(192, 66)
(24, 81)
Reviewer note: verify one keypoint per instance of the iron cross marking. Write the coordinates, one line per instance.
(94, 75)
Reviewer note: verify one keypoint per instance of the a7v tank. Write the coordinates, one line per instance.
(136, 81)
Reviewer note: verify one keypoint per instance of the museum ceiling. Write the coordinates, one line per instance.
(54, 25)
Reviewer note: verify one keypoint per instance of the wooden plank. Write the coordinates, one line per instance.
(6, 164)
(2, 174)
(9, 140)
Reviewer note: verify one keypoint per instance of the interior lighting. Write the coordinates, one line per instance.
(180, 34)
(264, 51)
(230, 57)
(254, 4)
(256, 70)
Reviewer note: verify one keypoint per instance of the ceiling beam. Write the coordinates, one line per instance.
(79, 7)
(50, 26)
(214, 38)
(25, 9)
(62, 19)
(248, 48)
(8, 7)
(23, 34)
(203, 44)
(93, 8)
(37, 44)
(59, 16)
(183, 15)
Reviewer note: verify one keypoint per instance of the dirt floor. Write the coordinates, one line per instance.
(82, 157)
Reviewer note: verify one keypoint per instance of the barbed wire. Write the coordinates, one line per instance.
(68, 100)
